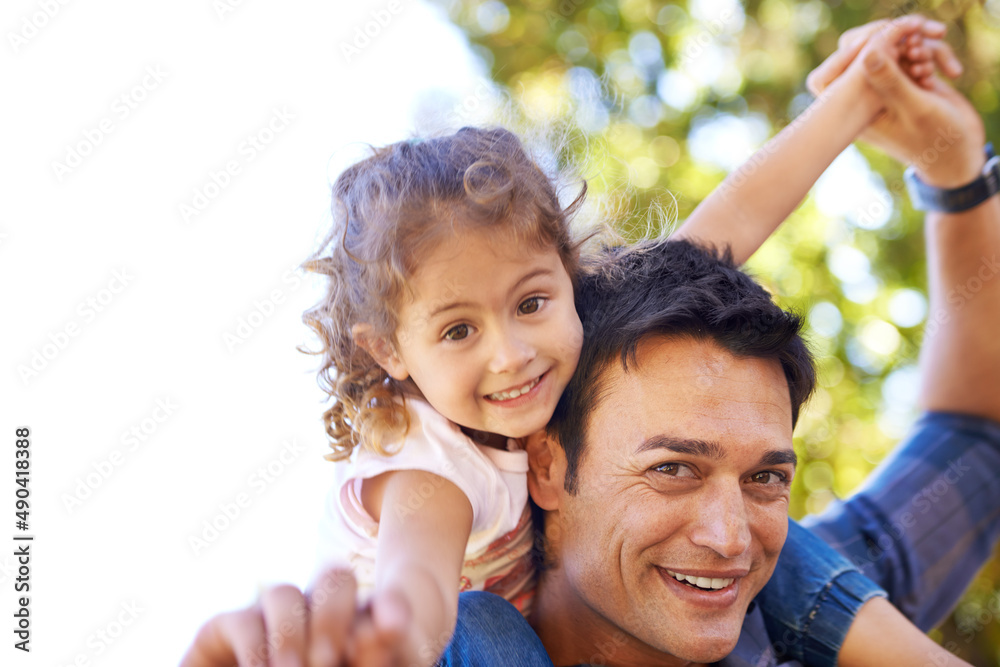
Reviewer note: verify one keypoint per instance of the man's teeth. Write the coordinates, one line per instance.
(514, 393)
(714, 583)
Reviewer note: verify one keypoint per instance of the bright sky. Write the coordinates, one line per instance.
(165, 169)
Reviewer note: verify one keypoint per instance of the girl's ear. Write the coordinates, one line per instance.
(381, 350)
(546, 470)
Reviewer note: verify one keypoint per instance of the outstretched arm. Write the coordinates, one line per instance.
(750, 204)
(929, 516)
(409, 619)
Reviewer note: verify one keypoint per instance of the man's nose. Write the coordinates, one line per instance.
(511, 352)
(722, 524)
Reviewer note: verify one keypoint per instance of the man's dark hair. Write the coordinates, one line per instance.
(673, 289)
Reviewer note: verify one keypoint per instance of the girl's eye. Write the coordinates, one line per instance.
(529, 306)
(768, 477)
(457, 332)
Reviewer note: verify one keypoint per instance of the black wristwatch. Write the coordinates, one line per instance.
(954, 200)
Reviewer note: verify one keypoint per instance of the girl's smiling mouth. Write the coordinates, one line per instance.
(516, 392)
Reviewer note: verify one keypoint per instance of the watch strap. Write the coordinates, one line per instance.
(954, 200)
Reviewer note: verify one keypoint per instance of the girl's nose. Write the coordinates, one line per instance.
(511, 353)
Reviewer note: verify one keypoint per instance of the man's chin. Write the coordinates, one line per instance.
(705, 644)
(707, 650)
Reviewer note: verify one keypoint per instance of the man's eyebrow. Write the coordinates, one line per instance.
(777, 457)
(711, 450)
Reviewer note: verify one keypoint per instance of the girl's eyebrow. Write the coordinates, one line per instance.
(450, 306)
(468, 304)
(529, 276)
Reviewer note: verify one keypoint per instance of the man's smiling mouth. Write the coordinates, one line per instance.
(704, 583)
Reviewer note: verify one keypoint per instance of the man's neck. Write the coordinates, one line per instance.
(575, 634)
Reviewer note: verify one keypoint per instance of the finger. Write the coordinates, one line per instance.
(920, 70)
(227, 639)
(853, 41)
(832, 67)
(285, 620)
(934, 29)
(381, 632)
(888, 79)
(332, 603)
(927, 82)
(945, 58)
(368, 649)
(851, 37)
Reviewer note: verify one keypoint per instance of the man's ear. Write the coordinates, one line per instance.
(546, 470)
(381, 350)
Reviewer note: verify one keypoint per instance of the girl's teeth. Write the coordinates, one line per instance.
(514, 393)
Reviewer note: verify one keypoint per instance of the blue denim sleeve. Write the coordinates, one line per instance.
(491, 632)
(812, 599)
(927, 519)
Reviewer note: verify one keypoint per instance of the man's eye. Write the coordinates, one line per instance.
(529, 306)
(674, 470)
(457, 332)
(769, 477)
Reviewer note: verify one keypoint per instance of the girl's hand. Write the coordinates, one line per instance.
(925, 123)
(918, 55)
(321, 628)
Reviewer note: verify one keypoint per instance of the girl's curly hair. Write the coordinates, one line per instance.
(389, 210)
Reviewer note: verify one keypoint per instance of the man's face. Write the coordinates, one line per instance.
(685, 475)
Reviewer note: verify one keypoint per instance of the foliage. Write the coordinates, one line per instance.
(671, 96)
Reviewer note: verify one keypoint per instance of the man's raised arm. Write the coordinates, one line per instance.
(928, 517)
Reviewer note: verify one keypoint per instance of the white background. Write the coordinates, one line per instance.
(113, 516)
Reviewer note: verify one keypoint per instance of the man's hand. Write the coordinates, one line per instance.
(926, 123)
(321, 628)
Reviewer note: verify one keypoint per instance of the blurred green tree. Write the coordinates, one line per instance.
(670, 97)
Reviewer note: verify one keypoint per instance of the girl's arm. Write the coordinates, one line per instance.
(750, 204)
(424, 526)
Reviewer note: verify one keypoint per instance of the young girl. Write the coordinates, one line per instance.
(449, 332)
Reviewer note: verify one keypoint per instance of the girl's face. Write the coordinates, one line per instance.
(490, 336)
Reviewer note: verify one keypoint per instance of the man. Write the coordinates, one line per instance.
(680, 470)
